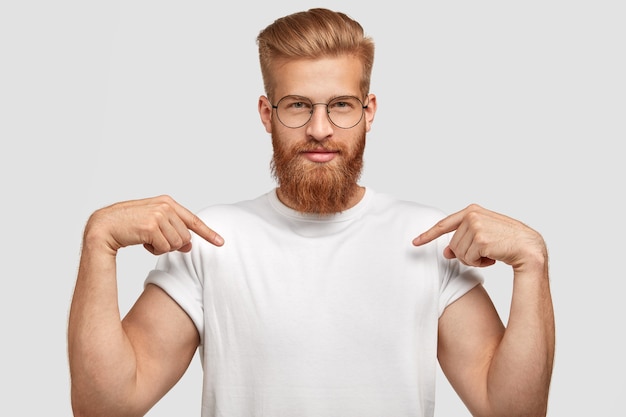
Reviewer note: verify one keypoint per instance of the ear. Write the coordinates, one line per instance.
(265, 111)
(370, 111)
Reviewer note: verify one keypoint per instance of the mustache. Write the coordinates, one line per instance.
(314, 146)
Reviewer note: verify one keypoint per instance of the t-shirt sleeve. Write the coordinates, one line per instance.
(175, 274)
(456, 278)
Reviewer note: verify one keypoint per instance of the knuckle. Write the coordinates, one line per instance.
(195, 220)
(152, 226)
(197, 224)
(473, 215)
(481, 240)
(164, 203)
(176, 244)
(164, 198)
(163, 207)
(441, 224)
(180, 240)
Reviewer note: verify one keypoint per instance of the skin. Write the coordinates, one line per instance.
(123, 367)
(320, 80)
(497, 371)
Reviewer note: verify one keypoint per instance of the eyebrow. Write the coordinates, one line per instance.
(333, 97)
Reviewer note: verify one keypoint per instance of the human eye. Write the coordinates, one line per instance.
(343, 104)
(295, 104)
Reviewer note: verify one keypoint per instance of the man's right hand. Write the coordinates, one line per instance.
(123, 367)
(160, 224)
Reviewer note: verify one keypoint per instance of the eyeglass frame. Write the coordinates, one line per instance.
(363, 107)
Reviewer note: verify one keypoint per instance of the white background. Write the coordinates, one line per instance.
(518, 106)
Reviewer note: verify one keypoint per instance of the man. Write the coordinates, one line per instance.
(315, 299)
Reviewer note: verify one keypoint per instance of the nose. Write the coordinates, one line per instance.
(320, 126)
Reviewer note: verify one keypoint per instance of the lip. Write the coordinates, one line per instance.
(320, 155)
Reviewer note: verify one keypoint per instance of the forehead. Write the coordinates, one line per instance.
(319, 79)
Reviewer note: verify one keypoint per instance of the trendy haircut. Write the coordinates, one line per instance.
(313, 34)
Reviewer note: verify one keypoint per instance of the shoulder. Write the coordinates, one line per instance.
(237, 211)
(387, 205)
(243, 218)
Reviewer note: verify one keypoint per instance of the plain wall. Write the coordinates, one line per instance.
(517, 106)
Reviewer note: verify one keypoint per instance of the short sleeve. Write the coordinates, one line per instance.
(456, 278)
(175, 274)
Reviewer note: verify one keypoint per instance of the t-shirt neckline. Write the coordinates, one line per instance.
(345, 215)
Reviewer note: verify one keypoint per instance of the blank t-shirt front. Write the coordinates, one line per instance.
(303, 315)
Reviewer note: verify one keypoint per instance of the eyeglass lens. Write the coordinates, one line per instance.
(295, 111)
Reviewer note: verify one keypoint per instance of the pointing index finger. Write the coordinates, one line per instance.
(443, 226)
(205, 231)
(195, 224)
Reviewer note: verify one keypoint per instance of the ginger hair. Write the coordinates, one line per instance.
(312, 34)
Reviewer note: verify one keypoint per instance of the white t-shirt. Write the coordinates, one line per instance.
(302, 316)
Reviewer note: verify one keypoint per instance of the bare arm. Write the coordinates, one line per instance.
(498, 371)
(122, 368)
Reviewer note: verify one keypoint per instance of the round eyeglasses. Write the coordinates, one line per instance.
(344, 112)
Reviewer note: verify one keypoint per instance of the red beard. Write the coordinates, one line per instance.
(320, 188)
